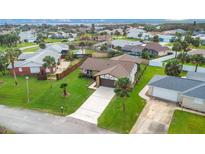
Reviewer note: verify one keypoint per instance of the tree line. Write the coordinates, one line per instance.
(9, 39)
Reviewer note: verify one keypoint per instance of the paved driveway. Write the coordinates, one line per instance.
(33, 122)
(155, 118)
(93, 107)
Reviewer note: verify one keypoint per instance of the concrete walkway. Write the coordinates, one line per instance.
(155, 118)
(94, 105)
(33, 122)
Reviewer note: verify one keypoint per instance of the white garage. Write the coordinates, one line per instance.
(165, 94)
(171, 88)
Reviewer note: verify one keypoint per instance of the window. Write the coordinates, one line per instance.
(20, 69)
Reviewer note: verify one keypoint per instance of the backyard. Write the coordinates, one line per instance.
(113, 118)
(187, 123)
(42, 96)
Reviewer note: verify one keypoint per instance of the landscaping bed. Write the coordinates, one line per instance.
(114, 119)
(42, 96)
(187, 123)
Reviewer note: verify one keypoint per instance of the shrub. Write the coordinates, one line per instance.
(42, 45)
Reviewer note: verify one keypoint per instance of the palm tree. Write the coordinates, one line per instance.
(183, 57)
(173, 68)
(12, 55)
(197, 59)
(177, 47)
(49, 62)
(64, 86)
(3, 63)
(122, 90)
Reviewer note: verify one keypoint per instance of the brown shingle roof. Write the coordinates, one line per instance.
(156, 47)
(116, 71)
(116, 67)
(127, 58)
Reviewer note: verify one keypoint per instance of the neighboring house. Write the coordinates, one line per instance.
(196, 76)
(202, 38)
(174, 31)
(81, 53)
(27, 36)
(134, 50)
(122, 43)
(188, 92)
(32, 63)
(107, 71)
(166, 38)
(102, 38)
(197, 51)
(138, 33)
(155, 48)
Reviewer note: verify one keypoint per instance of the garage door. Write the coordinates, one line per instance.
(107, 83)
(162, 93)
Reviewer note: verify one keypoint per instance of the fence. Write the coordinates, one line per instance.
(159, 61)
(68, 71)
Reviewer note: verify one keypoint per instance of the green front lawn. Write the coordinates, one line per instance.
(44, 98)
(121, 37)
(187, 123)
(25, 44)
(113, 118)
(33, 49)
(51, 40)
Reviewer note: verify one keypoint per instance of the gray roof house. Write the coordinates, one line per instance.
(122, 43)
(190, 93)
(196, 76)
(31, 63)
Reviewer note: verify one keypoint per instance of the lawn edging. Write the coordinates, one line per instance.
(114, 119)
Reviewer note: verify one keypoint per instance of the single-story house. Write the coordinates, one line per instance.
(107, 71)
(32, 63)
(155, 48)
(122, 43)
(166, 38)
(197, 51)
(29, 36)
(202, 38)
(139, 33)
(174, 31)
(102, 38)
(196, 76)
(187, 92)
(134, 50)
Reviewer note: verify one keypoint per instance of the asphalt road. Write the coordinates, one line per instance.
(25, 121)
